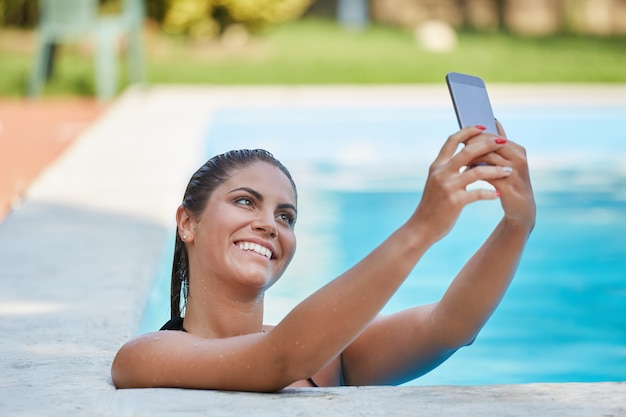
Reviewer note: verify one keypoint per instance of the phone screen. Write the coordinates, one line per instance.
(471, 102)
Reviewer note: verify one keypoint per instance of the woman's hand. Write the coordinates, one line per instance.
(445, 192)
(515, 190)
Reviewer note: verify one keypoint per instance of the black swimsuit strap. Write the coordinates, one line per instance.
(175, 323)
(312, 382)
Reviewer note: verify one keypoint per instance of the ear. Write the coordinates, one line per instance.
(186, 224)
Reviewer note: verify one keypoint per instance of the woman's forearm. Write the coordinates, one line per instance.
(321, 326)
(480, 285)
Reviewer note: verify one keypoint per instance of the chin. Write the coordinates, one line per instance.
(257, 280)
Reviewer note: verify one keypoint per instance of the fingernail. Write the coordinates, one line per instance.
(481, 127)
(508, 170)
(500, 141)
(498, 193)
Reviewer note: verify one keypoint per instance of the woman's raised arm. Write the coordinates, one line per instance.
(476, 291)
(408, 344)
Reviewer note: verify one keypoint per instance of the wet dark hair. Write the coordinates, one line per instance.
(203, 182)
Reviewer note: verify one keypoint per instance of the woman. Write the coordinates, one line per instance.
(235, 237)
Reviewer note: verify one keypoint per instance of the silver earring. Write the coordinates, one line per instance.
(185, 237)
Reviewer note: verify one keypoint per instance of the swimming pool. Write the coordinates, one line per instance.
(360, 172)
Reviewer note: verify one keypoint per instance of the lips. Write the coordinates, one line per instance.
(255, 247)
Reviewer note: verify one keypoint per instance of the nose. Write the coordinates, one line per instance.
(266, 223)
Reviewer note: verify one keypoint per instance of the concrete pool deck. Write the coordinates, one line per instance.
(77, 259)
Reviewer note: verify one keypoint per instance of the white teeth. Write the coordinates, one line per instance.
(256, 248)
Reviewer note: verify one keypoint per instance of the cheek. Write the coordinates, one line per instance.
(289, 246)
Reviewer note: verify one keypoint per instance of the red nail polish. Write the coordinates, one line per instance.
(500, 141)
(481, 127)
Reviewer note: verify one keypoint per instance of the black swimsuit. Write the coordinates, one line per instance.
(176, 323)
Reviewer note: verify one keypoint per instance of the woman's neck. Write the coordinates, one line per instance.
(213, 315)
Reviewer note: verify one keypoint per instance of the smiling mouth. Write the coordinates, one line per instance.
(255, 247)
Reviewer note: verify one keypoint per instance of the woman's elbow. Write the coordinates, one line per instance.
(454, 342)
(300, 364)
(119, 371)
(451, 335)
(124, 369)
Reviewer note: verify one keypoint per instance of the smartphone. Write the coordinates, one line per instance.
(471, 101)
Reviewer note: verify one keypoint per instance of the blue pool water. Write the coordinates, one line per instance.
(360, 173)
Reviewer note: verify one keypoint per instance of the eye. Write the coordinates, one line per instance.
(287, 218)
(244, 201)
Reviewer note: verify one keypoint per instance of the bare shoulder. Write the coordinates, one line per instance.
(180, 359)
(144, 355)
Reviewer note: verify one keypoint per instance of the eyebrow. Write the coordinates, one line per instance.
(259, 197)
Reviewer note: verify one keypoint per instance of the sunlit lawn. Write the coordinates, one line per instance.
(319, 52)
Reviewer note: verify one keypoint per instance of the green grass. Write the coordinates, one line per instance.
(320, 52)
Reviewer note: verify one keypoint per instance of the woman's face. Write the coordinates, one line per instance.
(245, 234)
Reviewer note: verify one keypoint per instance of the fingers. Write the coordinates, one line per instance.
(502, 155)
(492, 158)
(452, 143)
(479, 150)
(490, 174)
(486, 173)
(485, 157)
(479, 147)
(445, 192)
(482, 194)
(512, 144)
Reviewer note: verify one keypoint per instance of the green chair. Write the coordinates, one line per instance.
(71, 21)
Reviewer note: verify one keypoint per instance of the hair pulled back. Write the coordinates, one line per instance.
(203, 182)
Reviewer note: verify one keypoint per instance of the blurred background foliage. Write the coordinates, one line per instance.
(317, 42)
(210, 17)
(189, 17)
